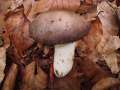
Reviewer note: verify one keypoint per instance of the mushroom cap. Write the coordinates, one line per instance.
(58, 27)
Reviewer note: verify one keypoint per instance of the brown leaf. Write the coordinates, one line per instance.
(108, 18)
(106, 83)
(46, 5)
(28, 4)
(15, 4)
(110, 42)
(2, 62)
(34, 80)
(9, 5)
(10, 79)
(118, 13)
(112, 62)
(91, 70)
(1, 20)
(4, 6)
(18, 32)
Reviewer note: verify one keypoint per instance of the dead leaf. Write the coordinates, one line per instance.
(118, 13)
(108, 18)
(10, 79)
(34, 80)
(18, 32)
(110, 42)
(28, 4)
(2, 62)
(15, 4)
(91, 70)
(112, 62)
(4, 44)
(4, 6)
(105, 83)
(46, 5)
(9, 5)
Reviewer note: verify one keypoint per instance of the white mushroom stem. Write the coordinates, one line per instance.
(63, 58)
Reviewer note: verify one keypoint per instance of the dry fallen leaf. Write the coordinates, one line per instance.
(9, 5)
(108, 18)
(112, 62)
(110, 42)
(2, 62)
(118, 13)
(102, 42)
(28, 4)
(32, 7)
(9, 82)
(15, 4)
(4, 44)
(18, 32)
(106, 83)
(34, 79)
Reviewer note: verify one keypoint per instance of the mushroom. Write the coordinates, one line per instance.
(62, 29)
